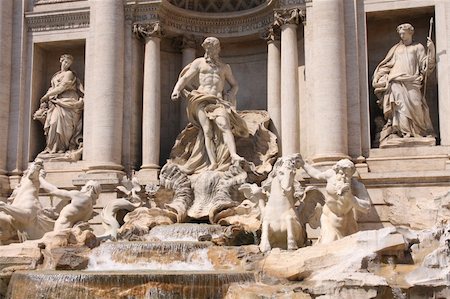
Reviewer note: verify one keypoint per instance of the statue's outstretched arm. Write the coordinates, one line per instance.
(361, 196)
(315, 173)
(52, 189)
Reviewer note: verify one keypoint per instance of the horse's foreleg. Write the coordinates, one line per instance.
(291, 223)
(264, 246)
(19, 214)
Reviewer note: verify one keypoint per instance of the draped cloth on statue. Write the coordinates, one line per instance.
(63, 123)
(259, 147)
(398, 83)
(194, 158)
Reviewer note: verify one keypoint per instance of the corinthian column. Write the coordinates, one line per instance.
(290, 136)
(104, 93)
(329, 91)
(6, 12)
(272, 37)
(151, 110)
(188, 50)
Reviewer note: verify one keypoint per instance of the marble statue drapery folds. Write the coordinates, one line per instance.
(61, 110)
(398, 81)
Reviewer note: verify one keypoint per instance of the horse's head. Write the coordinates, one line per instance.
(285, 169)
(34, 170)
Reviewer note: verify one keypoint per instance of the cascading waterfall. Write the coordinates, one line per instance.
(122, 284)
(181, 256)
(152, 269)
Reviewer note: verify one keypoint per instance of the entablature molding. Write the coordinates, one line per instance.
(60, 20)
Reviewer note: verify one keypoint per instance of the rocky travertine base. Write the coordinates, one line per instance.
(387, 263)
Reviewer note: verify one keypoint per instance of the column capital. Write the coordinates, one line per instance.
(291, 16)
(147, 30)
(185, 42)
(271, 34)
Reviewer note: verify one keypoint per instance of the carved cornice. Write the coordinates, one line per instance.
(292, 3)
(57, 21)
(147, 30)
(143, 13)
(40, 2)
(289, 16)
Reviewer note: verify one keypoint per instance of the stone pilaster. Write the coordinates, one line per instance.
(188, 51)
(288, 21)
(6, 13)
(442, 15)
(329, 90)
(272, 36)
(151, 110)
(104, 98)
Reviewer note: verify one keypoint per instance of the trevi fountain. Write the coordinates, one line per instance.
(224, 149)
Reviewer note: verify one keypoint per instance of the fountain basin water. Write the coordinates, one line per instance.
(123, 284)
(182, 256)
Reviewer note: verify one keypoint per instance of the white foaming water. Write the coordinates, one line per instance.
(184, 232)
(196, 260)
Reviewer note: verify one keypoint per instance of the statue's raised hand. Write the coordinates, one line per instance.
(175, 95)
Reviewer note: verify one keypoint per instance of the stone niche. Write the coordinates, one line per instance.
(248, 60)
(45, 65)
(381, 36)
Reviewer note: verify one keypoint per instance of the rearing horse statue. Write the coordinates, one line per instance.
(25, 213)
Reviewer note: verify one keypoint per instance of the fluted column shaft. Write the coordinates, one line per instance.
(151, 102)
(104, 102)
(329, 91)
(188, 51)
(6, 12)
(274, 80)
(290, 137)
(151, 106)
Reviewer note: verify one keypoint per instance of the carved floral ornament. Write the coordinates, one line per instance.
(289, 16)
(271, 34)
(147, 30)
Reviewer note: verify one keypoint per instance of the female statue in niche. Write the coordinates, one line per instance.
(398, 81)
(61, 112)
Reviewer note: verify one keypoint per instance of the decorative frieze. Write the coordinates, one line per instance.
(41, 2)
(293, 2)
(216, 6)
(60, 21)
(142, 13)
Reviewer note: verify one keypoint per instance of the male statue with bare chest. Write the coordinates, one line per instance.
(210, 109)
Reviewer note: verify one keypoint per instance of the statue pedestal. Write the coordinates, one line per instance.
(396, 141)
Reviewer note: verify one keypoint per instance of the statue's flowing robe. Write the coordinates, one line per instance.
(63, 125)
(195, 158)
(403, 69)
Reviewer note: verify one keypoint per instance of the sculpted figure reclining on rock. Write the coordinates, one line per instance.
(344, 195)
(80, 206)
(211, 110)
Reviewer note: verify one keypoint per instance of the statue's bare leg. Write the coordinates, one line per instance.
(223, 123)
(208, 133)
